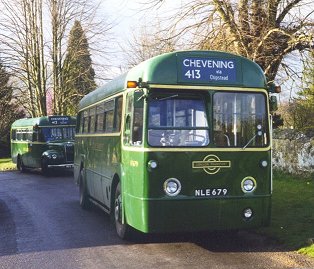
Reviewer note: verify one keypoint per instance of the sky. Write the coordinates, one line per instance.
(127, 18)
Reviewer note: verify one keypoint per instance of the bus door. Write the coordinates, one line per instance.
(132, 156)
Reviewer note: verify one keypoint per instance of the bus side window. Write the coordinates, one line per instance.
(109, 116)
(79, 123)
(137, 130)
(85, 121)
(13, 135)
(92, 120)
(118, 114)
(127, 127)
(128, 118)
(137, 118)
(34, 136)
(100, 118)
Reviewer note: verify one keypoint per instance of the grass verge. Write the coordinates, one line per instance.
(6, 164)
(292, 221)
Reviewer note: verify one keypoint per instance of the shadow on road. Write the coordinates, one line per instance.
(40, 213)
(219, 241)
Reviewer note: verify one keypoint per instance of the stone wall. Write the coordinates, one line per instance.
(293, 152)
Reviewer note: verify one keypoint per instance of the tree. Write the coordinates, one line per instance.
(65, 13)
(8, 110)
(146, 44)
(265, 31)
(298, 113)
(277, 120)
(77, 73)
(23, 46)
(305, 99)
(36, 55)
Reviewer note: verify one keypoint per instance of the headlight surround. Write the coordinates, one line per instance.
(172, 187)
(248, 184)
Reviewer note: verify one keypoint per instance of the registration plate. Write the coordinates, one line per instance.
(211, 192)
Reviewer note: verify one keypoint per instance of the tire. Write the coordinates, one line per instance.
(20, 166)
(84, 200)
(122, 229)
(44, 166)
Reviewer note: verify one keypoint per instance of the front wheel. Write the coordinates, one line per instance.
(44, 166)
(84, 200)
(122, 229)
(20, 165)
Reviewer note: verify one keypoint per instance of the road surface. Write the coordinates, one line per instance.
(43, 226)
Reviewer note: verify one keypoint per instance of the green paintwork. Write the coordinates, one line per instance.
(31, 152)
(108, 158)
(149, 209)
(163, 70)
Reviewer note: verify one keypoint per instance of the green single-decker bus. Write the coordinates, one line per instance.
(179, 143)
(43, 142)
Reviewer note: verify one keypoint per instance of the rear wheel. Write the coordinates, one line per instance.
(122, 229)
(84, 200)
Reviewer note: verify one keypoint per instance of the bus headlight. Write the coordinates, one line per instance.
(172, 187)
(248, 184)
(247, 213)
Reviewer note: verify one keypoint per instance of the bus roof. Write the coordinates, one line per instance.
(215, 68)
(45, 121)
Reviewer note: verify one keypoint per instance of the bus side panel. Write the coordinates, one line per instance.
(134, 188)
(36, 150)
(19, 148)
(100, 156)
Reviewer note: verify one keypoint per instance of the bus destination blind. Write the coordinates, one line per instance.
(61, 120)
(205, 70)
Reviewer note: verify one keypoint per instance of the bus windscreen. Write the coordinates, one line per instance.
(57, 133)
(176, 121)
(240, 120)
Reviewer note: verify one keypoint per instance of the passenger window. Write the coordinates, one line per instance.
(118, 114)
(137, 130)
(85, 121)
(100, 116)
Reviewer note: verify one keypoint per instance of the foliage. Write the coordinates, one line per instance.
(307, 250)
(305, 100)
(77, 73)
(277, 120)
(8, 110)
(298, 113)
(33, 34)
(292, 210)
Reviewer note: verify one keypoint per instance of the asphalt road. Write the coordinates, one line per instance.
(43, 226)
